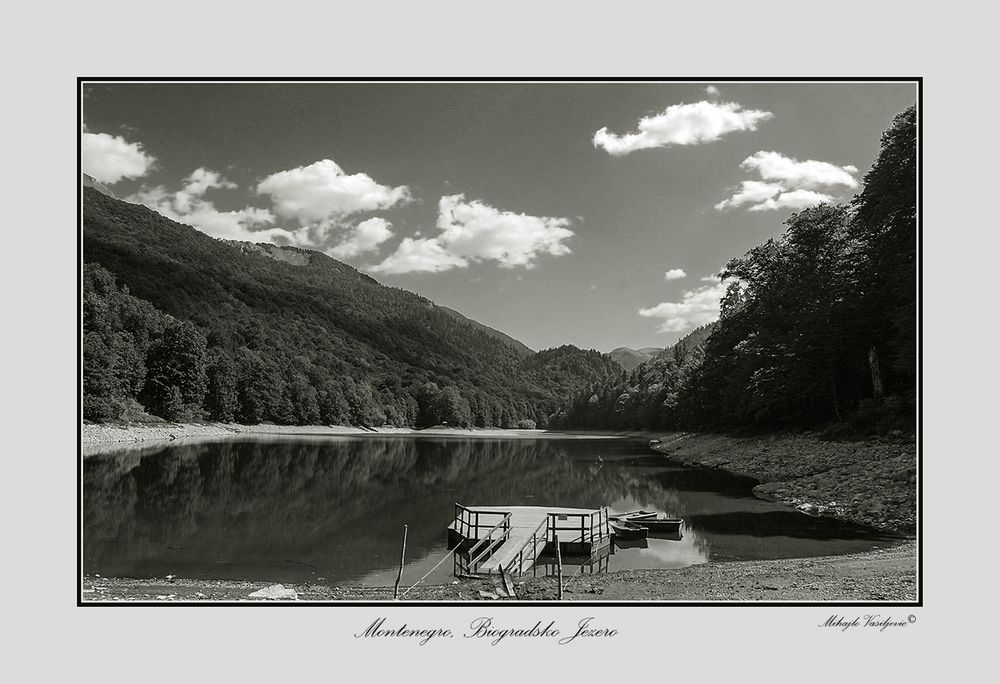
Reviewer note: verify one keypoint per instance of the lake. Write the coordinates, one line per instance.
(332, 509)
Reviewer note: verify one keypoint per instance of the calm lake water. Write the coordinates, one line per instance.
(332, 509)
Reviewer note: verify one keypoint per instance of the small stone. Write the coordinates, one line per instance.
(277, 592)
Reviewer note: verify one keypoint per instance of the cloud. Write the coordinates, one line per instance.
(109, 158)
(682, 124)
(810, 174)
(322, 192)
(480, 232)
(362, 238)
(472, 231)
(712, 91)
(189, 207)
(751, 192)
(674, 274)
(330, 232)
(794, 199)
(201, 180)
(787, 183)
(697, 307)
(422, 255)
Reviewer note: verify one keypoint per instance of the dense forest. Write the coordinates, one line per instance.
(186, 327)
(817, 328)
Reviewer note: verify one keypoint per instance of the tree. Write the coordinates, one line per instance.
(454, 408)
(222, 401)
(117, 329)
(177, 378)
(886, 225)
(429, 405)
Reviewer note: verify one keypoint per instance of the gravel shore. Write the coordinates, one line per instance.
(882, 575)
(872, 482)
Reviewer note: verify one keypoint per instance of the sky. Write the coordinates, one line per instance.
(593, 214)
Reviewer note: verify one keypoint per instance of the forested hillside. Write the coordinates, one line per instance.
(818, 326)
(184, 326)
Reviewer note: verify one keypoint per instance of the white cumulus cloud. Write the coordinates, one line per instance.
(421, 255)
(109, 158)
(788, 183)
(682, 124)
(473, 231)
(480, 232)
(362, 238)
(809, 174)
(696, 307)
(674, 274)
(322, 191)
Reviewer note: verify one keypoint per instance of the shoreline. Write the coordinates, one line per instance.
(99, 438)
(879, 575)
(94, 434)
(869, 482)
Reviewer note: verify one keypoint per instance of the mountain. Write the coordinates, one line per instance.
(183, 325)
(91, 182)
(630, 358)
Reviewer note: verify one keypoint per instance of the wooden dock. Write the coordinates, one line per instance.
(511, 538)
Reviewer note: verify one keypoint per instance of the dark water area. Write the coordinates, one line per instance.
(331, 510)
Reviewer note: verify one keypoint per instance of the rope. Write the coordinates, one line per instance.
(573, 578)
(446, 557)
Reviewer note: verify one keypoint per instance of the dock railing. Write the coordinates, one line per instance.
(468, 522)
(483, 548)
(579, 528)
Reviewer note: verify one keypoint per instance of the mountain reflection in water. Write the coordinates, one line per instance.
(300, 509)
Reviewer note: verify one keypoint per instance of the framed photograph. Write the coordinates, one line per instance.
(594, 341)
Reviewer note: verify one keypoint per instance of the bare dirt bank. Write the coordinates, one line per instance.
(871, 482)
(881, 575)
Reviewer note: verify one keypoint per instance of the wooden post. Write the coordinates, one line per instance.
(402, 555)
(559, 566)
(507, 584)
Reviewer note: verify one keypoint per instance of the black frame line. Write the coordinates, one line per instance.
(917, 80)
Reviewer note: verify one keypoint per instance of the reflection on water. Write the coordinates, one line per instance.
(301, 509)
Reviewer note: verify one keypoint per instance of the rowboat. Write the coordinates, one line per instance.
(633, 515)
(625, 530)
(657, 524)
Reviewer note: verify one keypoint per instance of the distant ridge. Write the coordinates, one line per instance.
(631, 358)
